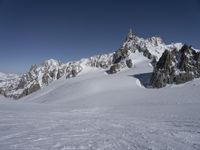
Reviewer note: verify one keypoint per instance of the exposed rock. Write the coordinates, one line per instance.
(129, 63)
(183, 77)
(114, 69)
(153, 62)
(176, 66)
(156, 41)
(130, 35)
(61, 73)
(2, 92)
(33, 88)
(73, 71)
(46, 78)
(147, 54)
(100, 61)
(22, 82)
(120, 54)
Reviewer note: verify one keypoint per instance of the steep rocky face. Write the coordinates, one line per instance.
(129, 63)
(37, 77)
(100, 61)
(176, 66)
(42, 75)
(151, 48)
(73, 70)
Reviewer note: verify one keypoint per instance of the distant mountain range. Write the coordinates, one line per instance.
(173, 63)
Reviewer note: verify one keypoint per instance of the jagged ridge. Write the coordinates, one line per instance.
(41, 75)
(176, 66)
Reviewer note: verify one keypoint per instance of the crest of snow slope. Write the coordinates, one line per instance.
(100, 111)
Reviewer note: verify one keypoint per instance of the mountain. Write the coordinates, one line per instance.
(96, 110)
(92, 104)
(176, 66)
(44, 74)
(8, 82)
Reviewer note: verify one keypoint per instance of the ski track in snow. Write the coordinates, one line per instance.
(94, 129)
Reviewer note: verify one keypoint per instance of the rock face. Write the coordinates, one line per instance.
(42, 75)
(100, 61)
(151, 48)
(8, 83)
(73, 70)
(176, 66)
(129, 63)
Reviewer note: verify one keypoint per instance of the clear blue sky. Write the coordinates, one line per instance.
(32, 31)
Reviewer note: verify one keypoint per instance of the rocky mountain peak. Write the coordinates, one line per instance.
(129, 35)
(52, 62)
(156, 41)
(176, 66)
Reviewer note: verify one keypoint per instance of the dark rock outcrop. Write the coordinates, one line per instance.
(2, 92)
(129, 63)
(33, 88)
(61, 73)
(114, 69)
(176, 66)
(100, 61)
(147, 54)
(119, 55)
(73, 71)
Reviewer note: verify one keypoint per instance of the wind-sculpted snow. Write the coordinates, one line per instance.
(100, 111)
(92, 129)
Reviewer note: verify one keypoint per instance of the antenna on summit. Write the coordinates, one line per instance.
(130, 35)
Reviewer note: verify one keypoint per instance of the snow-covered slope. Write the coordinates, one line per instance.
(100, 111)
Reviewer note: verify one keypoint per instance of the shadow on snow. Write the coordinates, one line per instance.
(144, 78)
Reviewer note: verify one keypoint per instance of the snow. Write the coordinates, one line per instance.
(1, 75)
(104, 112)
(8, 79)
(137, 57)
(51, 62)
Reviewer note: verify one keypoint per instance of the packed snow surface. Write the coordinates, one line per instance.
(97, 111)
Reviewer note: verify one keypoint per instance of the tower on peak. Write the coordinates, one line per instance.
(130, 35)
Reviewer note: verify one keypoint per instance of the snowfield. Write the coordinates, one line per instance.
(97, 111)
